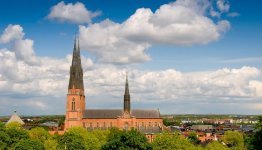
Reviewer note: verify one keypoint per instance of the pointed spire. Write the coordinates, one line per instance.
(76, 72)
(75, 44)
(126, 86)
(127, 97)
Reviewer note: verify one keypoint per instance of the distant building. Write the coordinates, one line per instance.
(15, 118)
(202, 127)
(146, 121)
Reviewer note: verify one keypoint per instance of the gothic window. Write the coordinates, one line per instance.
(91, 125)
(97, 124)
(73, 104)
(111, 125)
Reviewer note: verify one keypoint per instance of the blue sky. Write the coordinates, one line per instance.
(174, 64)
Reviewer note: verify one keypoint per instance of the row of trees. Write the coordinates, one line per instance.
(13, 136)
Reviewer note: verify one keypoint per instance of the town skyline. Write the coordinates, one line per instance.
(202, 62)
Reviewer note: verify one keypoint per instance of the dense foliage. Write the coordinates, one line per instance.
(254, 142)
(14, 137)
(125, 140)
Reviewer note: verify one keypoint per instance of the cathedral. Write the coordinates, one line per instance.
(144, 120)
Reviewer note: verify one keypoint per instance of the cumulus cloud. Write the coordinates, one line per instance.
(22, 47)
(21, 72)
(36, 104)
(174, 85)
(183, 22)
(40, 86)
(223, 5)
(74, 13)
(12, 32)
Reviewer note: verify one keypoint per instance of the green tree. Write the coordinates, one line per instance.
(71, 141)
(255, 142)
(39, 133)
(125, 140)
(135, 140)
(2, 126)
(101, 135)
(234, 140)
(16, 135)
(51, 144)
(90, 140)
(192, 137)
(29, 144)
(3, 146)
(259, 123)
(216, 146)
(16, 125)
(4, 140)
(171, 141)
(114, 133)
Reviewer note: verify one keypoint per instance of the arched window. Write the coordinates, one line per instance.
(73, 104)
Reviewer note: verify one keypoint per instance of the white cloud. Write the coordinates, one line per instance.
(23, 48)
(223, 5)
(12, 32)
(36, 104)
(46, 84)
(74, 13)
(183, 22)
(256, 88)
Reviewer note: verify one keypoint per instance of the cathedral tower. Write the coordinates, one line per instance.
(75, 106)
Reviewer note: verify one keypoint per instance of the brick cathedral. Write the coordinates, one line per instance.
(146, 121)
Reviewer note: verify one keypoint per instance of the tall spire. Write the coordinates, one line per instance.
(127, 97)
(75, 43)
(76, 72)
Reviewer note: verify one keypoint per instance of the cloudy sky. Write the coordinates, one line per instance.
(183, 56)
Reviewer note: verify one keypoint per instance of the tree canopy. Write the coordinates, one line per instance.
(234, 140)
(29, 144)
(171, 141)
(216, 146)
(14, 136)
(124, 140)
